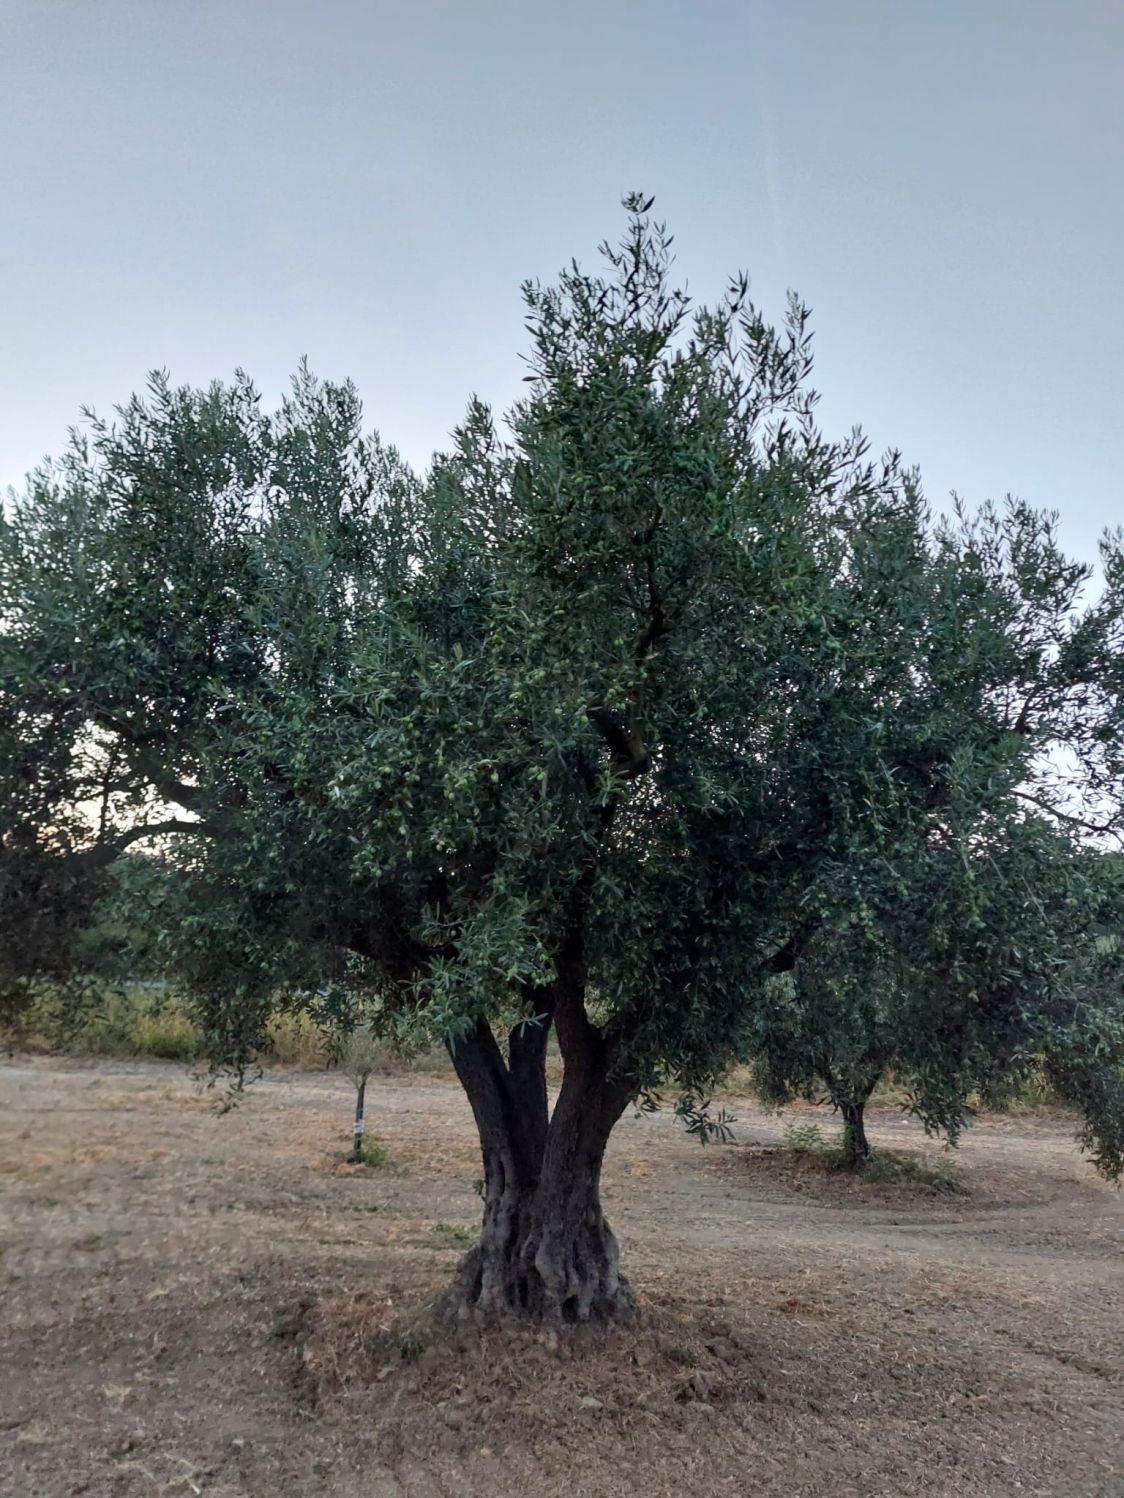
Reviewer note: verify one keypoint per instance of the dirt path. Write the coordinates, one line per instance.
(192, 1305)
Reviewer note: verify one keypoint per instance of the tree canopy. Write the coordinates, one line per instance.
(588, 726)
(968, 973)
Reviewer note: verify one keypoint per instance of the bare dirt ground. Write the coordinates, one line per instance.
(192, 1304)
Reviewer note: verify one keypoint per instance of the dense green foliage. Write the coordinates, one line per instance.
(609, 720)
(417, 724)
(995, 964)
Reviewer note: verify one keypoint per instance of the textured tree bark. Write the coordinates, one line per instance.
(856, 1147)
(546, 1253)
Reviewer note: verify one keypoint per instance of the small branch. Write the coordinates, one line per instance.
(105, 853)
(1022, 722)
(106, 792)
(627, 740)
(1112, 826)
(147, 764)
(656, 627)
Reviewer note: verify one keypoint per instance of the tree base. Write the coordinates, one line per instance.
(532, 1285)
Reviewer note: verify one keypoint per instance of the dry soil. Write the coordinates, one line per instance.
(205, 1304)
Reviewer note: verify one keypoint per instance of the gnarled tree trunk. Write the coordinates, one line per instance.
(546, 1252)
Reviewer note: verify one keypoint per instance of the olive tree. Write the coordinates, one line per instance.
(542, 737)
(361, 1051)
(946, 935)
(996, 963)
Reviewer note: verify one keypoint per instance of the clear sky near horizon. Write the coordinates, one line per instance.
(206, 184)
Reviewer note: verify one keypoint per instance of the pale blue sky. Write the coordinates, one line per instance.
(203, 184)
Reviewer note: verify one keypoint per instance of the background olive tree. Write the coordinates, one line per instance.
(361, 1052)
(995, 967)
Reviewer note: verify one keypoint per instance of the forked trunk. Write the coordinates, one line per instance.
(850, 1097)
(545, 1253)
(856, 1147)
